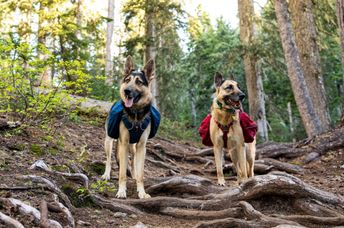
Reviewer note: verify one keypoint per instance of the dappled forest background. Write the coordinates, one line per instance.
(50, 49)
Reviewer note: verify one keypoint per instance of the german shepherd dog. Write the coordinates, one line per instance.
(136, 97)
(225, 119)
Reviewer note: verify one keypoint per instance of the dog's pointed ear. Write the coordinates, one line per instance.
(129, 65)
(149, 69)
(218, 79)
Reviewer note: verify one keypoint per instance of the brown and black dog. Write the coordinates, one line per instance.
(136, 99)
(225, 120)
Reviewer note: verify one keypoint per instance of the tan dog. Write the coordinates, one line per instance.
(225, 120)
(136, 99)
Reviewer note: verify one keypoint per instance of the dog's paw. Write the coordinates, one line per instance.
(221, 182)
(106, 176)
(143, 195)
(121, 194)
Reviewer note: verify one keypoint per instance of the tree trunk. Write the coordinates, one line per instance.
(109, 34)
(305, 37)
(340, 16)
(253, 77)
(150, 49)
(304, 103)
(79, 23)
(45, 77)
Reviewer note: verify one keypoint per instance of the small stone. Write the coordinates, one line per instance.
(120, 215)
(82, 223)
(342, 166)
(133, 216)
(139, 225)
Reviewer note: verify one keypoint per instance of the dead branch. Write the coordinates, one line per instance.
(281, 166)
(164, 165)
(40, 165)
(234, 212)
(44, 215)
(318, 146)
(198, 159)
(7, 220)
(204, 152)
(70, 218)
(25, 209)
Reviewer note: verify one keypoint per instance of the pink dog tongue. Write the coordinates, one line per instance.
(128, 102)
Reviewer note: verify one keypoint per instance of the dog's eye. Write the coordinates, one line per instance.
(127, 79)
(138, 82)
(230, 87)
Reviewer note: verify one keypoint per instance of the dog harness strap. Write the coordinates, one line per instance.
(225, 130)
(135, 129)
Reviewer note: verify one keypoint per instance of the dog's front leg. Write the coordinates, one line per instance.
(139, 168)
(218, 153)
(123, 162)
(108, 151)
(239, 154)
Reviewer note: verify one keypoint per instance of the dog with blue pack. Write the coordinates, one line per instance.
(132, 121)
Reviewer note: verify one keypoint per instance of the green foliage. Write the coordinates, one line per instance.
(176, 130)
(102, 186)
(216, 49)
(36, 149)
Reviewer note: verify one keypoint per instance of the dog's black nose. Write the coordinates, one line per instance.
(242, 96)
(127, 92)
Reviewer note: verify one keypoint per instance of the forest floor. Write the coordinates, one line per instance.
(78, 147)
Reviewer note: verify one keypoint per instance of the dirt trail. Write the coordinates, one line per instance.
(78, 147)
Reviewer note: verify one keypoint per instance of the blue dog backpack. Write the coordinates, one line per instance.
(136, 129)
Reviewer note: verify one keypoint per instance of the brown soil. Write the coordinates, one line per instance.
(80, 145)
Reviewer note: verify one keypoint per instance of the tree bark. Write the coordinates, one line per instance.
(150, 49)
(109, 35)
(340, 17)
(253, 77)
(304, 102)
(305, 37)
(45, 77)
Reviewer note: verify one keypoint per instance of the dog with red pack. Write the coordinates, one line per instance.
(229, 128)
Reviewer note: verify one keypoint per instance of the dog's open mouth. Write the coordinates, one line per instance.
(129, 100)
(230, 102)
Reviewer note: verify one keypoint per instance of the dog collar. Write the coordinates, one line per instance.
(231, 110)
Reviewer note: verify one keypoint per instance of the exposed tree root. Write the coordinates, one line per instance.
(63, 209)
(309, 219)
(313, 207)
(114, 205)
(45, 183)
(252, 214)
(234, 212)
(190, 184)
(40, 165)
(25, 209)
(7, 220)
